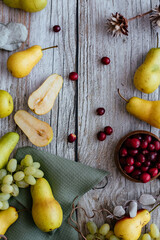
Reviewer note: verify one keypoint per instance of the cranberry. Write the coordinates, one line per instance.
(144, 168)
(145, 152)
(123, 152)
(157, 145)
(151, 147)
(56, 28)
(158, 165)
(127, 143)
(138, 164)
(122, 161)
(153, 171)
(145, 177)
(136, 173)
(71, 138)
(129, 169)
(130, 160)
(108, 130)
(147, 163)
(73, 76)
(101, 136)
(141, 158)
(100, 111)
(138, 136)
(105, 60)
(135, 143)
(144, 144)
(132, 152)
(148, 138)
(152, 156)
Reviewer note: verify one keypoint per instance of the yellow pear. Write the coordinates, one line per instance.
(130, 228)
(6, 104)
(21, 63)
(7, 218)
(147, 76)
(28, 6)
(46, 211)
(147, 111)
(42, 100)
(39, 133)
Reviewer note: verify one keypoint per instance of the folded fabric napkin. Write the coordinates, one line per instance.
(68, 179)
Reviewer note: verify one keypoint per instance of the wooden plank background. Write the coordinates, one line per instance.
(82, 42)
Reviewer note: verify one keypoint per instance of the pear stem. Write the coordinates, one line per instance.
(157, 40)
(122, 96)
(154, 208)
(139, 16)
(3, 237)
(49, 48)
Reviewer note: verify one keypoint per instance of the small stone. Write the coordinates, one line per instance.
(119, 211)
(147, 199)
(133, 209)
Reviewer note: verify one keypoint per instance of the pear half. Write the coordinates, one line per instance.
(42, 100)
(39, 133)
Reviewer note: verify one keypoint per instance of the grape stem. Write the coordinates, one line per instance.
(49, 48)
(154, 208)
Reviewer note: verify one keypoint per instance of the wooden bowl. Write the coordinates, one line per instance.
(119, 145)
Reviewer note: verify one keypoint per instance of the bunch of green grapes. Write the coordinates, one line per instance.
(17, 176)
(153, 234)
(102, 233)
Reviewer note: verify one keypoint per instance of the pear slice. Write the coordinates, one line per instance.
(42, 100)
(39, 133)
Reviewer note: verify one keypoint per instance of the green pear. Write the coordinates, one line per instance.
(46, 211)
(147, 76)
(7, 218)
(27, 5)
(7, 144)
(6, 104)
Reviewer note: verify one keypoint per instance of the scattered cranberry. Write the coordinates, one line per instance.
(152, 156)
(148, 138)
(105, 60)
(100, 111)
(129, 169)
(145, 177)
(136, 173)
(141, 158)
(153, 171)
(135, 143)
(144, 168)
(72, 138)
(101, 136)
(56, 28)
(123, 152)
(130, 160)
(157, 145)
(147, 163)
(138, 164)
(144, 144)
(145, 152)
(122, 161)
(151, 147)
(132, 152)
(108, 130)
(73, 76)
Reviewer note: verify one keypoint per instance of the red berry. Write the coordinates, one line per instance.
(145, 152)
(101, 136)
(144, 168)
(153, 171)
(135, 143)
(145, 177)
(105, 60)
(129, 169)
(56, 28)
(148, 138)
(129, 160)
(72, 138)
(138, 136)
(157, 145)
(132, 152)
(158, 165)
(73, 76)
(100, 111)
(127, 143)
(151, 147)
(138, 164)
(108, 130)
(136, 173)
(144, 144)
(123, 152)
(122, 161)
(141, 158)
(152, 156)
(147, 163)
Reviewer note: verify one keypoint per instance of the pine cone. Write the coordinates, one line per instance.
(117, 25)
(155, 16)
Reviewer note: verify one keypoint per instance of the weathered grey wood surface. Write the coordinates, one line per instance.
(82, 42)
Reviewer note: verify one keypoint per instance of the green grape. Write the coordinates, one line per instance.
(12, 165)
(38, 174)
(19, 168)
(3, 173)
(18, 176)
(27, 161)
(98, 236)
(90, 237)
(1, 205)
(6, 188)
(158, 238)
(104, 229)
(113, 237)
(146, 236)
(30, 180)
(15, 191)
(92, 227)
(29, 171)
(36, 165)
(4, 196)
(22, 184)
(154, 231)
(140, 238)
(8, 179)
(5, 205)
(110, 233)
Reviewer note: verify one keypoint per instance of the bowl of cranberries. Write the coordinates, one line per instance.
(138, 156)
